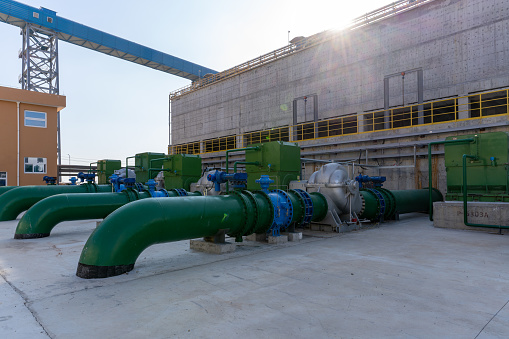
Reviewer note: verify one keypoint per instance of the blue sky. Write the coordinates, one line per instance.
(116, 108)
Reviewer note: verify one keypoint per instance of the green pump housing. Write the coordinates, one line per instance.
(142, 164)
(105, 169)
(487, 173)
(278, 159)
(180, 170)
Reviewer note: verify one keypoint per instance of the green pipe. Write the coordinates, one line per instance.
(90, 169)
(15, 201)
(112, 249)
(158, 169)
(41, 218)
(255, 148)
(465, 194)
(396, 202)
(4, 189)
(430, 174)
(256, 163)
(126, 165)
(150, 170)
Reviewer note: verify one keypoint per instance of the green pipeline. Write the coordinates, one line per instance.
(15, 201)
(384, 204)
(112, 249)
(4, 189)
(41, 218)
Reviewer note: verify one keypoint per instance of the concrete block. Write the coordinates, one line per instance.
(277, 240)
(449, 214)
(293, 236)
(257, 237)
(211, 247)
(321, 227)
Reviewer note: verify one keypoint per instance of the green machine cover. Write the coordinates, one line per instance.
(142, 165)
(488, 176)
(105, 169)
(181, 170)
(278, 159)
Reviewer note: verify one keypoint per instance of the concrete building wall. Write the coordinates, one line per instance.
(34, 142)
(461, 47)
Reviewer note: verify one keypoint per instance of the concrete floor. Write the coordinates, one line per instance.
(403, 279)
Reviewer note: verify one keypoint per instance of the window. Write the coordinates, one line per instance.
(36, 15)
(35, 165)
(35, 119)
(3, 178)
(50, 20)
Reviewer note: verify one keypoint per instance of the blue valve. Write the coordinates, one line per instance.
(365, 181)
(238, 180)
(264, 182)
(89, 177)
(73, 180)
(50, 180)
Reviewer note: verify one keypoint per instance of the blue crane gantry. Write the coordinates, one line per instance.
(42, 29)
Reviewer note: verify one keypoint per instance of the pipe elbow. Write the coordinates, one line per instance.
(42, 217)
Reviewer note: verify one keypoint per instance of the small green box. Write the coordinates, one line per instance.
(278, 159)
(143, 164)
(105, 169)
(180, 170)
(487, 179)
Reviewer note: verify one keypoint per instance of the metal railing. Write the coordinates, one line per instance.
(476, 106)
(395, 8)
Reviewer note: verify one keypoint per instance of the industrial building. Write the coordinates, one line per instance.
(353, 183)
(28, 135)
(377, 93)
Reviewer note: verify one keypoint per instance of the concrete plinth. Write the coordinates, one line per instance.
(277, 240)
(211, 247)
(322, 227)
(449, 214)
(257, 237)
(293, 236)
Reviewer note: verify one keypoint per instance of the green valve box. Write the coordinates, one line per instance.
(143, 163)
(105, 169)
(487, 176)
(278, 159)
(180, 170)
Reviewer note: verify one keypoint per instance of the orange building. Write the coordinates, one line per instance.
(28, 136)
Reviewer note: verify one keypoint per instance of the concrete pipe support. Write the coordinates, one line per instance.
(113, 248)
(15, 201)
(41, 218)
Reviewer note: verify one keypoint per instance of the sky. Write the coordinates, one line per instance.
(116, 108)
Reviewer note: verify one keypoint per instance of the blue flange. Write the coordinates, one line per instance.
(308, 206)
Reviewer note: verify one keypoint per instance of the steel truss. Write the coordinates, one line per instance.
(40, 60)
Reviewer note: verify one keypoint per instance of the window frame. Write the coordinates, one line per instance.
(25, 118)
(3, 178)
(25, 163)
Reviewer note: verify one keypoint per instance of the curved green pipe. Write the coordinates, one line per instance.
(113, 248)
(15, 201)
(41, 218)
(4, 189)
